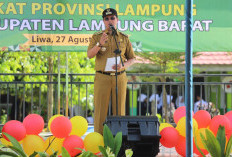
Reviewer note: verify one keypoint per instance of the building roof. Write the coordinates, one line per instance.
(206, 61)
(202, 58)
(212, 58)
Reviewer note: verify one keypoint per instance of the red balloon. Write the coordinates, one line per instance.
(181, 146)
(71, 143)
(14, 128)
(169, 137)
(219, 120)
(229, 116)
(228, 134)
(203, 118)
(61, 127)
(179, 113)
(34, 124)
(196, 151)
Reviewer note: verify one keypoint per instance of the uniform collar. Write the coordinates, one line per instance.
(107, 32)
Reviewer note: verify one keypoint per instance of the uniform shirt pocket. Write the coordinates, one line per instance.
(104, 49)
(122, 47)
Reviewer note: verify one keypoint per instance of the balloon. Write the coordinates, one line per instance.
(79, 126)
(92, 141)
(219, 120)
(181, 146)
(8, 143)
(53, 144)
(14, 128)
(5, 142)
(71, 143)
(33, 143)
(61, 127)
(203, 118)
(198, 137)
(51, 119)
(228, 134)
(229, 116)
(179, 113)
(34, 124)
(169, 137)
(164, 125)
(181, 126)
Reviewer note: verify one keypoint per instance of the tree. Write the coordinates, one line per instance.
(44, 62)
(165, 62)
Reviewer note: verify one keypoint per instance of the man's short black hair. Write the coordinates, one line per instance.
(109, 11)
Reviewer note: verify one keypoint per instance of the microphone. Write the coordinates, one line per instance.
(112, 28)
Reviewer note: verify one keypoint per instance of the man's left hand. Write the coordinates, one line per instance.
(119, 67)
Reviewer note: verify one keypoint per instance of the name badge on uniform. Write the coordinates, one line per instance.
(103, 48)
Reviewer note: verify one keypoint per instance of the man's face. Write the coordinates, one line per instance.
(110, 20)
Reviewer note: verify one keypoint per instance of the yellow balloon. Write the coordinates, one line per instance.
(181, 126)
(79, 126)
(198, 137)
(164, 125)
(92, 141)
(55, 145)
(33, 143)
(8, 143)
(5, 142)
(51, 119)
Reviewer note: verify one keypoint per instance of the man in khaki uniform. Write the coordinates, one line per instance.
(102, 46)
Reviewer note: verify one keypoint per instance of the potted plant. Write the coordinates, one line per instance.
(216, 146)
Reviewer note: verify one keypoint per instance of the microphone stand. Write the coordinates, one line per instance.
(117, 52)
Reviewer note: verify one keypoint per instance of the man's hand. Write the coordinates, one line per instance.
(118, 65)
(103, 39)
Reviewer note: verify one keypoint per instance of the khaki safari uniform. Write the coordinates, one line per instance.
(105, 83)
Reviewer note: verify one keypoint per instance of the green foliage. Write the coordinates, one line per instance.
(129, 152)
(17, 150)
(103, 151)
(34, 62)
(229, 147)
(113, 143)
(216, 146)
(3, 117)
(87, 154)
(65, 152)
(221, 139)
(161, 62)
(8, 154)
(117, 143)
(108, 137)
(16, 145)
(165, 61)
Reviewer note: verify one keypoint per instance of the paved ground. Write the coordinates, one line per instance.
(171, 152)
(167, 152)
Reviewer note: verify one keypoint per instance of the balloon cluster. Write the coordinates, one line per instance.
(66, 132)
(176, 137)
